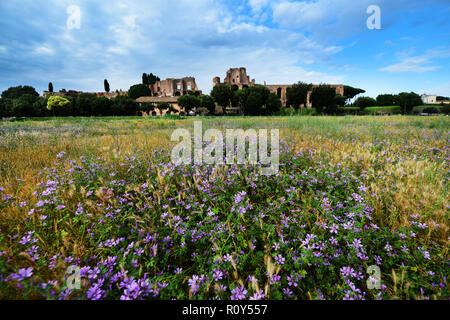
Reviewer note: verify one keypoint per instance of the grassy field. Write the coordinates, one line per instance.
(101, 194)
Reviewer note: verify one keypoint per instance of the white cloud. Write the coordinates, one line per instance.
(257, 5)
(120, 40)
(418, 64)
(440, 90)
(44, 50)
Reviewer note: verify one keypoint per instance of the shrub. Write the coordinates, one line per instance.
(430, 110)
(364, 102)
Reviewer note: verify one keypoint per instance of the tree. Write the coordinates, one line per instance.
(149, 79)
(23, 106)
(172, 109)
(384, 100)
(102, 106)
(50, 87)
(273, 104)
(124, 106)
(189, 102)
(40, 108)
(222, 94)
(139, 90)
(147, 107)
(106, 85)
(256, 100)
(83, 104)
(207, 102)
(57, 103)
(364, 102)
(16, 92)
(6, 106)
(407, 101)
(144, 79)
(297, 94)
(152, 78)
(163, 106)
(323, 99)
(350, 92)
(339, 102)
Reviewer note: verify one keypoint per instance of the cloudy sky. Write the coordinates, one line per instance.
(280, 42)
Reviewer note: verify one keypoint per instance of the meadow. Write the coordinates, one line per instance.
(101, 194)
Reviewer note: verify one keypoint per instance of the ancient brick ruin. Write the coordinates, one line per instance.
(238, 78)
(174, 87)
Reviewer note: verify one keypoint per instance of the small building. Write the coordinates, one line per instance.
(173, 101)
(429, 99)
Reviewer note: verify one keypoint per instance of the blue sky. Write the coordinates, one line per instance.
(280, 42)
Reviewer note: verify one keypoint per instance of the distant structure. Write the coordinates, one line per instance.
(168, 91)
(238, 78)
(174, 87)
(434, 99)
(173, 101)
(429, 99)
(73, 93)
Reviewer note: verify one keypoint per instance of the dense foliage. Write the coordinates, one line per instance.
(363, 102)
(323, 99)
(139, 90)
(297, 94)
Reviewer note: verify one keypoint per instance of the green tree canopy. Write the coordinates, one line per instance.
(222, 93)
(364, 102)
(83, 104)
(124, 106)
(386, 100)
(57, 103)
(297, 94)
(323, 99)
(23, 106)
(207, 102)
(189, 102)
(139, 90)
(106, 85)
(149, 79)
(102, 106)
(273, 104)
(17, 92)
(256, 100)
(407, 101)
(147, 107)
(350, 92)
(50, 87)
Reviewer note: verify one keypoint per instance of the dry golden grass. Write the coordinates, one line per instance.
(403, 173)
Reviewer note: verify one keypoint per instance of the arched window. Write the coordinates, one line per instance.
(279, 92)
